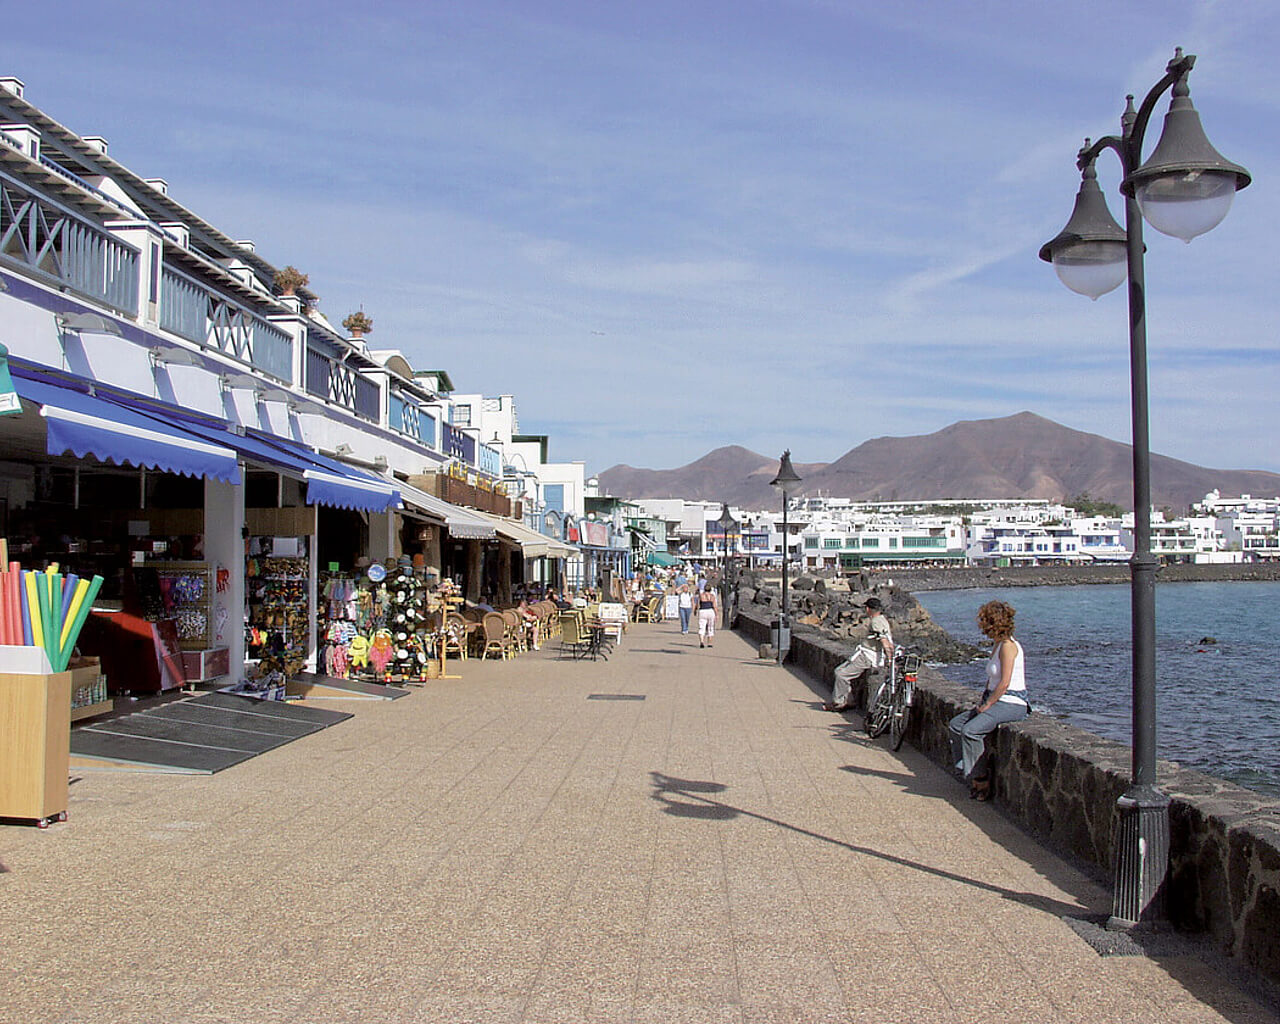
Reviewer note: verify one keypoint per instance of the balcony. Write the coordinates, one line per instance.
(332, 380)
(196, 312)
(51, 242)
(410, 419)
(457, 491)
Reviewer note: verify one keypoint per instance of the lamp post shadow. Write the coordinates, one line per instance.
(691, 798)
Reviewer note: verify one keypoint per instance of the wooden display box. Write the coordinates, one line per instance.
(86, 674)
(199, 666)
(35, 745)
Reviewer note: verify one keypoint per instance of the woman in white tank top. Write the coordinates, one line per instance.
(1004, 700)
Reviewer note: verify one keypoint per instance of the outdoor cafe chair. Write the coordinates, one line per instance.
(574, 638)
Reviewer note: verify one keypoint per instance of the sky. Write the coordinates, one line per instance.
(679, 224)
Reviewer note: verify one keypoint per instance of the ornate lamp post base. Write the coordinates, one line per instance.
(1142, 859)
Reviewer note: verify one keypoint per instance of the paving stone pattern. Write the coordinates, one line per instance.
(501, 848)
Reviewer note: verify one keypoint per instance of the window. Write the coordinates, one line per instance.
(831, 542)
(811, 542)
(462, 415)
(553, 495)
(851, 542)
(870, 542)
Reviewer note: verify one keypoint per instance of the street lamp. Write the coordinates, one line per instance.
(726, 522)
(786, 481)
(1184, 189)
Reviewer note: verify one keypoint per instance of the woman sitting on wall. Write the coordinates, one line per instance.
(1004, 699)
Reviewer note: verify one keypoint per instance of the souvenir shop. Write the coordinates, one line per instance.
(385, 621)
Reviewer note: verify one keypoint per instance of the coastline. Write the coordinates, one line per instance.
(912, 580)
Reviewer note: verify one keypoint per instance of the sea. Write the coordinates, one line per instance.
(1217, 656)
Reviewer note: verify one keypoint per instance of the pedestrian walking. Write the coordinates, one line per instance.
(686, 607)
(708, 605)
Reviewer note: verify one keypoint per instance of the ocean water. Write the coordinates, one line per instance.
(1217, 705)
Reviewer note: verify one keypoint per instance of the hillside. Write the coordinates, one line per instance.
(1019, 456)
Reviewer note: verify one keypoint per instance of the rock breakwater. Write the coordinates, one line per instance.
(835, 609)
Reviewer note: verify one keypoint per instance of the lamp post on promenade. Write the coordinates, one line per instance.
(1184, 189)
(726, 522)
(786, 481)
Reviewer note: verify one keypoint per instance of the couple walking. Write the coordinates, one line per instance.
(706, 602)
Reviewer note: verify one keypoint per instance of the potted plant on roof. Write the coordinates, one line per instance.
(290, 279)
(358, 324)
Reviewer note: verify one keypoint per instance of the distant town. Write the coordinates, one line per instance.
(841, 534)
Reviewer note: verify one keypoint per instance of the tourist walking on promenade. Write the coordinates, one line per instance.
(686, 607)
(871, 656)
(707, 602)
(1004, 699)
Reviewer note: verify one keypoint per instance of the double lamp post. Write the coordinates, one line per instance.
(1183, 189)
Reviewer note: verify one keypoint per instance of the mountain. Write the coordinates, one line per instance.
(1019, 456)
(733, 474)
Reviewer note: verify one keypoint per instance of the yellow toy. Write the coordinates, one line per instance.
(358, 651)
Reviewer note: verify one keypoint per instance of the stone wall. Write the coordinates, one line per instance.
(1062, 783)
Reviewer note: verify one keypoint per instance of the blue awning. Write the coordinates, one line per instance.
(85, 424)
(330, 482)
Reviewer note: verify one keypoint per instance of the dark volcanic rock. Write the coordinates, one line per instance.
(839, 615)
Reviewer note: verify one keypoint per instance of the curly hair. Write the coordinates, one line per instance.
(995, 618)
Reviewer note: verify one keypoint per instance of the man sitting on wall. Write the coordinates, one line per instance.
(871, 656)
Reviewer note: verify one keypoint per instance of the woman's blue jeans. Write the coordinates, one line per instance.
(969, 731)
(684, 619)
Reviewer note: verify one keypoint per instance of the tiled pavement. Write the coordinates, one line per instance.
(501, 847)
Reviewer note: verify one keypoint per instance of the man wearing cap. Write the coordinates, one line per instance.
(872, 655)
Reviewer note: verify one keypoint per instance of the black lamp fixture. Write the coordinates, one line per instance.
(1184, 189)
(787, 481)
(726, 522)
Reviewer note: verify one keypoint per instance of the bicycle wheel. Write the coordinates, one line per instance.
(880, 712)
(898, 715)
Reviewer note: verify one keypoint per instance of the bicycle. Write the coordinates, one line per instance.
(892, 702)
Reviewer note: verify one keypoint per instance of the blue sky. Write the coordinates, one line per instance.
(671, 226)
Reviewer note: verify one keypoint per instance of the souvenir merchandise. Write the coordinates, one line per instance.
(179, 591)
(380, 625)
(276, 625)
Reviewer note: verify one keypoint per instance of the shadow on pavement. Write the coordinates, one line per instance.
(688, 798)
(1197, 967)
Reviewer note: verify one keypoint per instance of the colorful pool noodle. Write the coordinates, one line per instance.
(7, 594)
(81, 615)
(46, 583)
(72, 596)
(65, 598)
(13, 604)
(33, 589)
(15, 581)
(28, 635)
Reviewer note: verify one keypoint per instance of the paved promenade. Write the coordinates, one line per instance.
(505, 848)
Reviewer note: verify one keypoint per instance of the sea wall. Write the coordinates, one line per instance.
(1062, 783)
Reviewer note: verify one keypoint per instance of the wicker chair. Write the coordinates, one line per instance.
(650, 610)
(457, 635)
(574, 638)
(495, 636)
(517, 635)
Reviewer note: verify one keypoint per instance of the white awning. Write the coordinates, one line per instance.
(461, 523)
(532, 543)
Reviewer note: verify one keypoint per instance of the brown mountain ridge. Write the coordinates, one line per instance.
(1019, 456)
